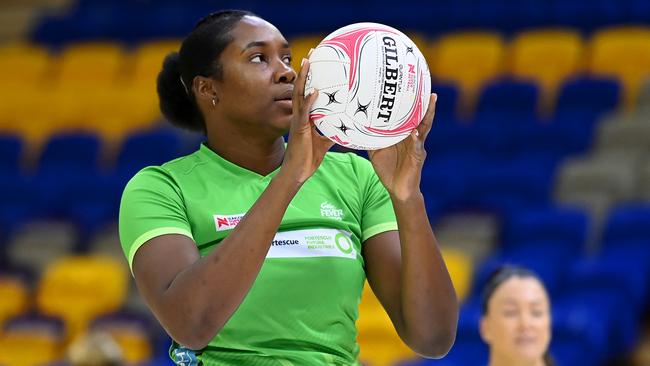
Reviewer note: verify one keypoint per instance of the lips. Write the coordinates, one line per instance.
(286, 95)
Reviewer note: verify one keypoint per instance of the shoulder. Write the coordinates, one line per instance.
(167, 173)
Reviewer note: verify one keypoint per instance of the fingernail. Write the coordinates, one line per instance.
(302, 63)
(435, 97)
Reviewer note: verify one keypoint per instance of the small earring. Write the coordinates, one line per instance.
(214, 102)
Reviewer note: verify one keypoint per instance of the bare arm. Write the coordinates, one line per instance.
(407, 273)
(406, 270)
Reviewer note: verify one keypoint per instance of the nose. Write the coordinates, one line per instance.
(284, 73)
(526, 321)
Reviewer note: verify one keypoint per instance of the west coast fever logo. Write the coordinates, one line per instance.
(329, 210)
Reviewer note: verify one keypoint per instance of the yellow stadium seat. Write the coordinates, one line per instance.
(461, 270)
(24, 64)
(13, 293)
(300, 47)
(146, 62)
(623, 53)
(380, 345)
(547, 57)
(90, 66)
(78, 288)
(18, 348)
(468, 60)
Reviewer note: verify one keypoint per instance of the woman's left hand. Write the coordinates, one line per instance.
(399, 167)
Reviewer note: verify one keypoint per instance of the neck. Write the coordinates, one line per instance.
(503, 360)
(260, 154)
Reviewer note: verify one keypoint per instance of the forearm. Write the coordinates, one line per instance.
(215, 285)
(428, 299)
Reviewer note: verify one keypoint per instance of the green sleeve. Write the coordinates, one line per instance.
(378, 214)
(152, 205)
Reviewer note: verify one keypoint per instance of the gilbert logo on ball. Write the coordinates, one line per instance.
(374, 86)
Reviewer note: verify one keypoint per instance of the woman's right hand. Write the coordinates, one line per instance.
(306, 147)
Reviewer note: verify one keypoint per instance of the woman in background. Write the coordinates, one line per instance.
(516, 318)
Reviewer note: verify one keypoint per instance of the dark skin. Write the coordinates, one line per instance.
(256, 101)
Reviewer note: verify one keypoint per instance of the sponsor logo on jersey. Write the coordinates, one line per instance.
(227, 222)
(329, 210)
(323, 242)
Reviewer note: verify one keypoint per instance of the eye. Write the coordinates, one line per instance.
(257, 59)
(538, 313)
(287, 59)
(509, 313)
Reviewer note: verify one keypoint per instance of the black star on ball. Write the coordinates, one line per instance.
(332, 98)
(362, 108)
(409, 49)
(343, 128)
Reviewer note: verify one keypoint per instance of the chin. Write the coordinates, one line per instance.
(531, 355)
(281, 123)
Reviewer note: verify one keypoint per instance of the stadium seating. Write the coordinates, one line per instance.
(467, 60)
(538, 156)
(548, 57)
(624, 53)
(79, 288)
(31, 340)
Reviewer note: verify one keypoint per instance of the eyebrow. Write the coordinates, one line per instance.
(261, 44)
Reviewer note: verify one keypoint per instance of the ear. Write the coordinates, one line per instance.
(484, 330)
(204, 88)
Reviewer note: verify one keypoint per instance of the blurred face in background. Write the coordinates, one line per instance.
(517, 325)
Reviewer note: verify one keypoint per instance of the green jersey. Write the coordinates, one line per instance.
(302, 307)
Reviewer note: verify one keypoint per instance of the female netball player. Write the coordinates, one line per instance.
(251, 251)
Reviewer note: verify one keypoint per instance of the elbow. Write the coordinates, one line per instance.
(193, 335)
(435, 347)
(437, 340)
(192, 339)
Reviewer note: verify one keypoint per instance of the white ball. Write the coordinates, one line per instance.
(374, 86)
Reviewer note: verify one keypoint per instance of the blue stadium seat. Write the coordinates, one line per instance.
(565, 225)
(91, 201)
(11, 149)
(548, 259)
(18, 203)
(560, 137)
(577, 334)
(447, 102)
(448, 137)
(509, 100)
(446, 178)
(65, 159)
(63, 153)
(628, 222)
(504, 186)
(584, 99)
(608, 301)
(147, 148)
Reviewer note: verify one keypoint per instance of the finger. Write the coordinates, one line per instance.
(309, 102)
(299, 85)
(425, 125)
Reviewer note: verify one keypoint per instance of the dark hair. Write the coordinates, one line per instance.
(496, 279)
(198, 55)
